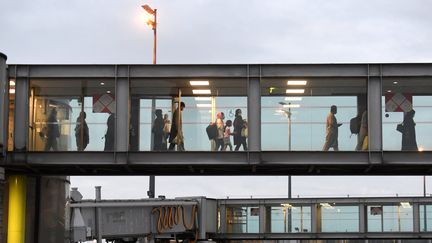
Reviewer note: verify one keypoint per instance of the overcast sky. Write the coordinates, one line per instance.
(222, 31)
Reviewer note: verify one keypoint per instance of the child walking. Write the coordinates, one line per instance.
(227, 134)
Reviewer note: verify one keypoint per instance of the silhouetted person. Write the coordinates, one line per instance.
(363, 132)
(158, 133)
(53, 131)
(332, 130)
(409, 142)
(176, 125)
(81, 132)
(239, 125)
(219, 143)
(109, 136)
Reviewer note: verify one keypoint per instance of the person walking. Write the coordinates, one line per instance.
(409, 142)
(53, 131)
(109, 135)
(220, 131)
(227, 136)
(157, 130)
(82, 132)
(363, 133)
(332, 130)
(176, 133)
(239, 125)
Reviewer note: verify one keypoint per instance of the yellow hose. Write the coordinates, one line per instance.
(17, 209)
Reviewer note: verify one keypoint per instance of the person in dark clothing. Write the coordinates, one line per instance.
(109, 136)
(81, 132)
(176, 129)
(157, 130)
(409, 142)
(53, 131)
(239, 125)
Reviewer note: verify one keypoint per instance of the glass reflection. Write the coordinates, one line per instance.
(290, 219)
(390, 218)
(242, 219)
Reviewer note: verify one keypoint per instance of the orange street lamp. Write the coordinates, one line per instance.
(153, 24)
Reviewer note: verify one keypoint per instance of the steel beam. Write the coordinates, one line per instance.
(4, 104)
(122, 98)
(21, 119)
(374, 111)
(254, 114)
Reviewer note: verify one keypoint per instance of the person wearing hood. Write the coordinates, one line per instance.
(409, 142)
(158, 133)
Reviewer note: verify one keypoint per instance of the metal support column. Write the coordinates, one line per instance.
(223, 220)
(98, 215)
(262, 219)
(315, 218)
(362, 218)
(4, 104)
(254, 114)
(375, 108)
(416, 217)
(21, 113)
(122, 115)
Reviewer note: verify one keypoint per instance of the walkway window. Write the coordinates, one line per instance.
(295, 111)
(339, 218)
(406, 114)
(426, 218)
(390, 218)
(72, 115)
(155, 125)
(289, 218)
(242, 219)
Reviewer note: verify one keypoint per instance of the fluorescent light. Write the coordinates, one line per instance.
(293, 98)
(108, 92)
(203, 105)
(12, 83)
(292, 106)
(405, 204)
(203, 98)
(297, 82)
(102, 83)
(395, 82)
(389, 91)
(286, 205)
(201, 91)
(12, 91)
(295, 91)
(199, 83)
(326, 205)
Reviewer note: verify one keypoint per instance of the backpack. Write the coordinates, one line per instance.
(355, 124)
(212, 131)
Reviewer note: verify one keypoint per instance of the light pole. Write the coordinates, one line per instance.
(152, 22)
(288, 114)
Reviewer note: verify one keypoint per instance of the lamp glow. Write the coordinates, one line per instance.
(292, 106)
(199, 83)
(201, 91)
(295, 91)
(203, 98)
(293, 98)
(203, 105)
(12, 91)
(405, 204)
(296, 82)
(12, 83)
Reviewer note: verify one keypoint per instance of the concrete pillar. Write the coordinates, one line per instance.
(4, 104)
(262, 219)
(254, 114)
(416, 218)
(362, 218)
(53, 211)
